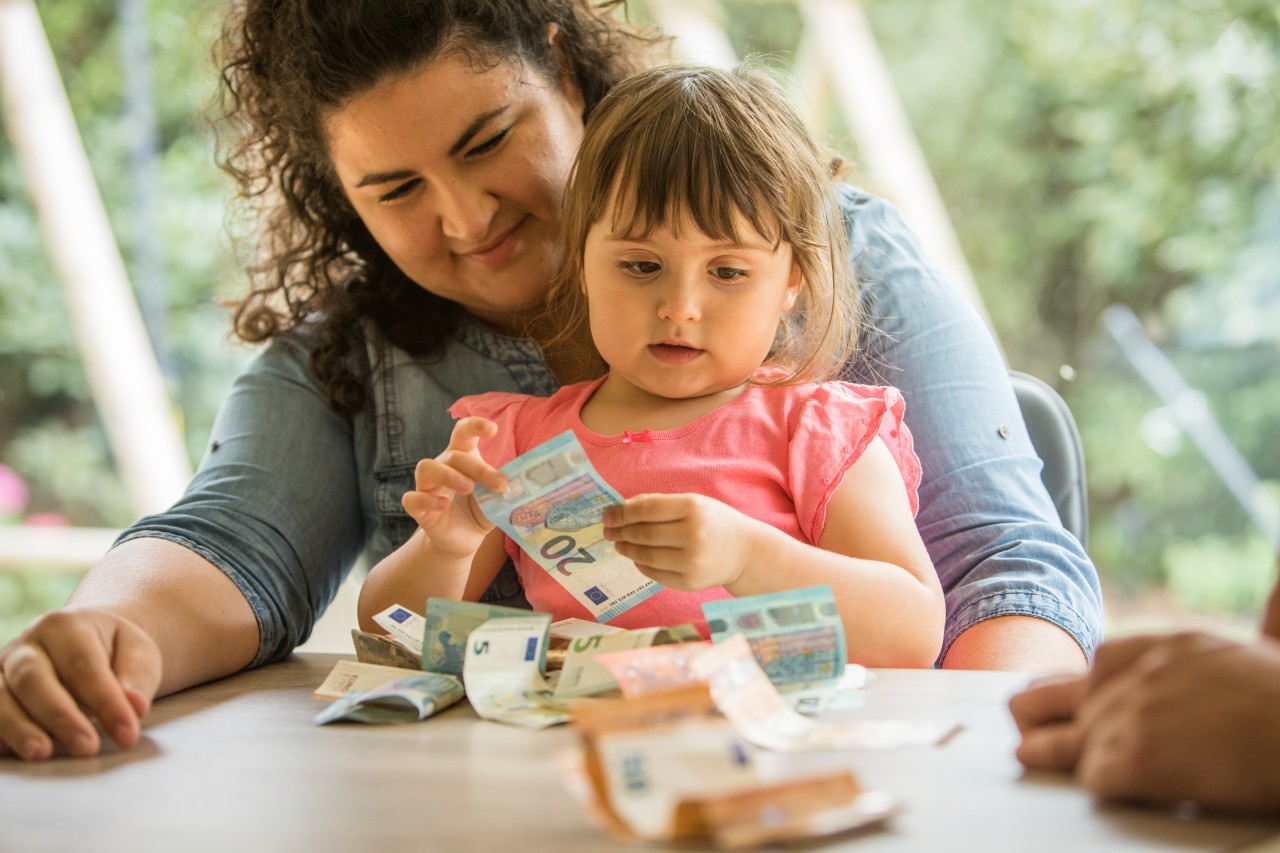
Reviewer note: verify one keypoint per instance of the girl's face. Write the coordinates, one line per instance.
(457, 171)
(688, 317)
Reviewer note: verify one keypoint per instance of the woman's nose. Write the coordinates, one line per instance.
(466, 212)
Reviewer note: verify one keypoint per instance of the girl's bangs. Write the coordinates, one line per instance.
(659, 178)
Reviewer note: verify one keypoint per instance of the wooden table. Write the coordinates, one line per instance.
(237, 766)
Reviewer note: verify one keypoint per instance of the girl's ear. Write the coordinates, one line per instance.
(794, 283)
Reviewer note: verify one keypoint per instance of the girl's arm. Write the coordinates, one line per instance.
(453, 542)
(870, 553)
(418, 570)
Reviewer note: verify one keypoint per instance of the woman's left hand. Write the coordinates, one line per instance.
(683, 542)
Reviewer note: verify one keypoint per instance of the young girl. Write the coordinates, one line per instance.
(705, 259)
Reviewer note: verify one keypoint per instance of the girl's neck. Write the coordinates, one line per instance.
(571, 359)
(617, 406)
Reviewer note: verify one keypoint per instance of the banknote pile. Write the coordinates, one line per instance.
(668, 767)
(669, 721)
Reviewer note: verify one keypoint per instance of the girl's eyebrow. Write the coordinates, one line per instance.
(477, 124)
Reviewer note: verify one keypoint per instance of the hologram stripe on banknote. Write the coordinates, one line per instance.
(553, 509)
(796, 635)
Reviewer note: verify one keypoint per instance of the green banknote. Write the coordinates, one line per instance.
(449, 623)
(797, 635)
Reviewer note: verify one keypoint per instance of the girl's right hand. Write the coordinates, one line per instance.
(442, 502)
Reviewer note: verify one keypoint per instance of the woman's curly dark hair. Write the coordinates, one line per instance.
(286, 66)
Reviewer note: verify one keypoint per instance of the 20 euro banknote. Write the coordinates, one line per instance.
(552, 509)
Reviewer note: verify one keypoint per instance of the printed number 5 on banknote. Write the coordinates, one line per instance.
(553, 509)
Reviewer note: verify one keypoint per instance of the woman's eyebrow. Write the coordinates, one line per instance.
(475, 126)
(384, 177)
(402, 174)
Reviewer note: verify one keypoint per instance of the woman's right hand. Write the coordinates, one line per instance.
(442, 501)
(66, 669)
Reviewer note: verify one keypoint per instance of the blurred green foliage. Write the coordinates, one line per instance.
(49, 431)
(1090, 153)
(1095, 153)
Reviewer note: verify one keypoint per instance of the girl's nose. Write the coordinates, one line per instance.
(680, 302)
(465, 211)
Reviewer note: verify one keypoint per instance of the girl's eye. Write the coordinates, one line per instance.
(489, 144)
(400, 191)
(639, 267)
(728, 273)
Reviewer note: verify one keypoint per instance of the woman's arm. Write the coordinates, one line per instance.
(150, 618)
(234, 574)
(1020, 591)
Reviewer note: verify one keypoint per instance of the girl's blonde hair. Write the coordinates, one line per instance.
(707, 142)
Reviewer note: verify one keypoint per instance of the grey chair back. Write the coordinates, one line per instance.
(1057, 442)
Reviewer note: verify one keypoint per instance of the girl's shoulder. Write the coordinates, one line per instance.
(832, 401)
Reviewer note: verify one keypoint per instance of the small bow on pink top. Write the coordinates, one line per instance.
(643, 435)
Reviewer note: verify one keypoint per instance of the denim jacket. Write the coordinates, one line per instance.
(290, 494)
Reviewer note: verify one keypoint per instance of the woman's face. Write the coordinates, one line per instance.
(457, 171)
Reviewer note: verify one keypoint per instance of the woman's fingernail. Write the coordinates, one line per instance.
(81, 744)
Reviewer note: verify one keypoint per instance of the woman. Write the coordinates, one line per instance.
(409, 159)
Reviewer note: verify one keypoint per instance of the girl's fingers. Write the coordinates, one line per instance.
(647, 509)
(463, 453)
(424, 506)
(458, 473)
(669, 579)
(468, 469)
(664, 535)
(653, 558)
(468, 432)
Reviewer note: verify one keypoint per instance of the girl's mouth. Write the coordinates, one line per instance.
(670, 353)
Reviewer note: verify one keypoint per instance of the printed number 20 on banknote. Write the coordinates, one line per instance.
(553, 509)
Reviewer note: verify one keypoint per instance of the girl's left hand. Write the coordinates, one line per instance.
(683, 542)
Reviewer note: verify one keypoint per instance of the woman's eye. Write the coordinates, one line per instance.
(399, 191)
(639, 267)
(490, 143)
(728, 273)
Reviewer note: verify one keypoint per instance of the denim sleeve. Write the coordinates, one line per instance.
(274, 505)
(986, 517)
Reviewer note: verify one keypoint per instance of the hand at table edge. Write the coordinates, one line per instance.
(68, 668)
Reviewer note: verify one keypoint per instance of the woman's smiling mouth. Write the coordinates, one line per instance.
(499, 251)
